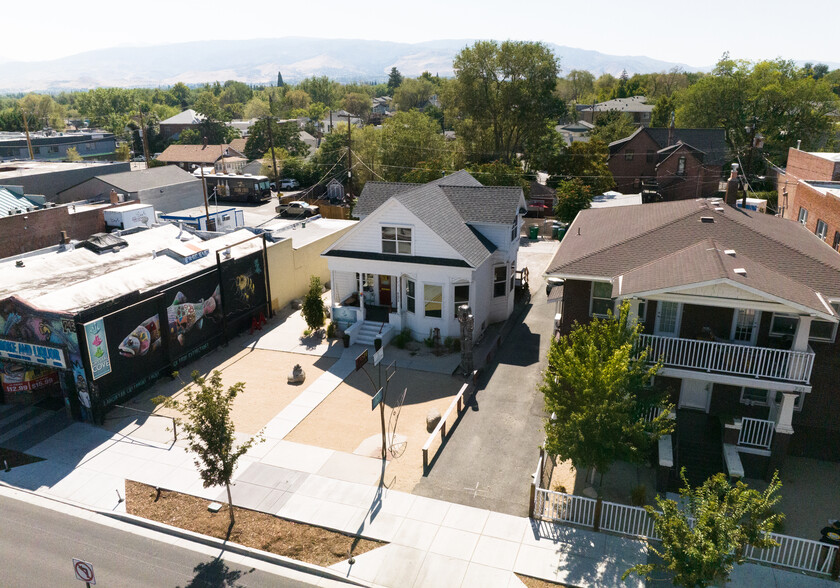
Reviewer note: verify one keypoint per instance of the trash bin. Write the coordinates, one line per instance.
(555, 233)
(561, 232)
(533, 232)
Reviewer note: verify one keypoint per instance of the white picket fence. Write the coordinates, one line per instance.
(756, 433)
(792, 552)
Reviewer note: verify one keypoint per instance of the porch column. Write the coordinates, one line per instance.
(782, 434)
(333, 292)
(800, 338)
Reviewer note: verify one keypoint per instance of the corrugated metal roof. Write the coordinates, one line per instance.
(10, 203)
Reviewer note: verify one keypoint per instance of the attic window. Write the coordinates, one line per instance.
(740, 271)
(730, 252)
(707, 219)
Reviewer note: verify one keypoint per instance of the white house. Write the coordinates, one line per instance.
(422, 250)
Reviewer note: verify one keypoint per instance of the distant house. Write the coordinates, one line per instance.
(381, 105)
(575, 131)
(669, 164)
(420, 251)
(542, 200)
(189, 157)
(166, 188)
(171, 127)
(809, 193)
(636, 106)
(50, 145)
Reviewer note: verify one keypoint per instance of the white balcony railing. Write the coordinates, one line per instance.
(728, 358)
(756, 433)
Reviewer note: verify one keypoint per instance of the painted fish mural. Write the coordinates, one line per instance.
(183, 315)
(144, 338)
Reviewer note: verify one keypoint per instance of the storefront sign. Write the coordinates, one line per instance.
(32, 353)
(29, 382)
(97, 346)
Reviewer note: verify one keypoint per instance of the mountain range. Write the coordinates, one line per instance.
(257, 61)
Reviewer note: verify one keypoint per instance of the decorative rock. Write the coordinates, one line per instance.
(297, 376)
(297, 304)
(590, 492)
(432, 420)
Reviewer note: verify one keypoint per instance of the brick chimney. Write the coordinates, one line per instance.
(732, 186)
(671, 128)
(115, 198)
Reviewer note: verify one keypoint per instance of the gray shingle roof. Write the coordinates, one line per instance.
(712, 142)
(447, 206)
(609, 242)
(145, 179)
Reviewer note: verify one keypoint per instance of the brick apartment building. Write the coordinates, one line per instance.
(669, 164)
(809, 192)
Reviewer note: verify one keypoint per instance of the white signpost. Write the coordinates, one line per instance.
(84, 572)
(377, 357)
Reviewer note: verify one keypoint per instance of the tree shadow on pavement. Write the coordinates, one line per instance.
(215, 574)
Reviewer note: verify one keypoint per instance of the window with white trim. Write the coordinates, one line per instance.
(512, 276)
(803, 215)
(602, 301)
(514, 230)
(461, 295)
(396, 240)
(824, 330)
(409, 295)
(754, 396)
(499, 281)
(783, 325)
(629, 154)
(745, 325)
(822, 229)
(681, 166)
(432, 300)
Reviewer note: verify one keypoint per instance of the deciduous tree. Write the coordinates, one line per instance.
(205, 416)
(595, 388)
(285, 135)
(705, 537)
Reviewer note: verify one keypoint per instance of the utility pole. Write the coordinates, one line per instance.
(349, 153)
(143, 138)
(204, 191)
(26, 128)
(271, 136)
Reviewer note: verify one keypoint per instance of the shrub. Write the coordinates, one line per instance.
(638, 496)
(307, 332)
(313, 306)
(402, 338)
(331, 330)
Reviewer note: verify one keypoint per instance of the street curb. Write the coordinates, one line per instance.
(236, 548)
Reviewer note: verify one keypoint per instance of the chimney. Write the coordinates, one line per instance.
(115, 198)
(732, 186)
(64, 240)
(671, 129)
(205, 143)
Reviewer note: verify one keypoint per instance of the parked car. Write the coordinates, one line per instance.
(296, 208)
(288, 183)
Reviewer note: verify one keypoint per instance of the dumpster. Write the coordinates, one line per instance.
(533, 232)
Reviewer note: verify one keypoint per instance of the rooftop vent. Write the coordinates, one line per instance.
(730, 252)
(740, 271)
(707, 219)
(719, 209)
(102, 242)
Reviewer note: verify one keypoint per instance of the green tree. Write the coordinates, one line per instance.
(182, 94)
(286, 136)
(394, 80)
(321, 89)
(73, 154)
(313, 305)
(572, 197)
(357, 103)
(611, 126)
(663, 110)
(205, 416)
(707, 535)
(295, 99)
(407, 140)
(768, 97)
(43, 111)
(256, 107)
(190, 137)
(595, 390)
(501, 174)
(413, 93)
(502, 97)
(581, 85)
(582, 160)
(123, 152)
(280, 82)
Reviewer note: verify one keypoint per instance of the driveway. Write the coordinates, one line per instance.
(488, 460)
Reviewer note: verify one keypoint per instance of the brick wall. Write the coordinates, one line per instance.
(804, 166)
(819, 206)
(42, 228)
(629, 173)
(576, 294)
(698, 180)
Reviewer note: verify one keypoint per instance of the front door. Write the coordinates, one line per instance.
(385, 290)
(668, 316)
(695, 394)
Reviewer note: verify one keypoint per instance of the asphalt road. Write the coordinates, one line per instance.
(37, 546)
(488, 460)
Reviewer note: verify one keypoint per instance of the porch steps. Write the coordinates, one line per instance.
(370, 330)
(23, 426)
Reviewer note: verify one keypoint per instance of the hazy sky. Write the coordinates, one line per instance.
(696, 33)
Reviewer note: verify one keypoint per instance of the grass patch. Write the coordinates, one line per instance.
(16, 458)
(259, 530)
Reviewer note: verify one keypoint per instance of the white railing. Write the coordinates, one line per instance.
(742, 360)
(564, 508)
(652, 413)
(627, 520)
(756, 433)
(793, 552)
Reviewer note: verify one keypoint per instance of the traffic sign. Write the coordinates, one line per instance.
(84, 571)
(377, 398)
(377, 357)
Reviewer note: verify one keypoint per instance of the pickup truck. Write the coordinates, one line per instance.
(296, 208)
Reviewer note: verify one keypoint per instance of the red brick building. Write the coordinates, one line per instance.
(669, 164)
(809, 192)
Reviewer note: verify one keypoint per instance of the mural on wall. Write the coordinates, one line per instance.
(194, 313)
(243, 284)
(144, 338)
(21, 322)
